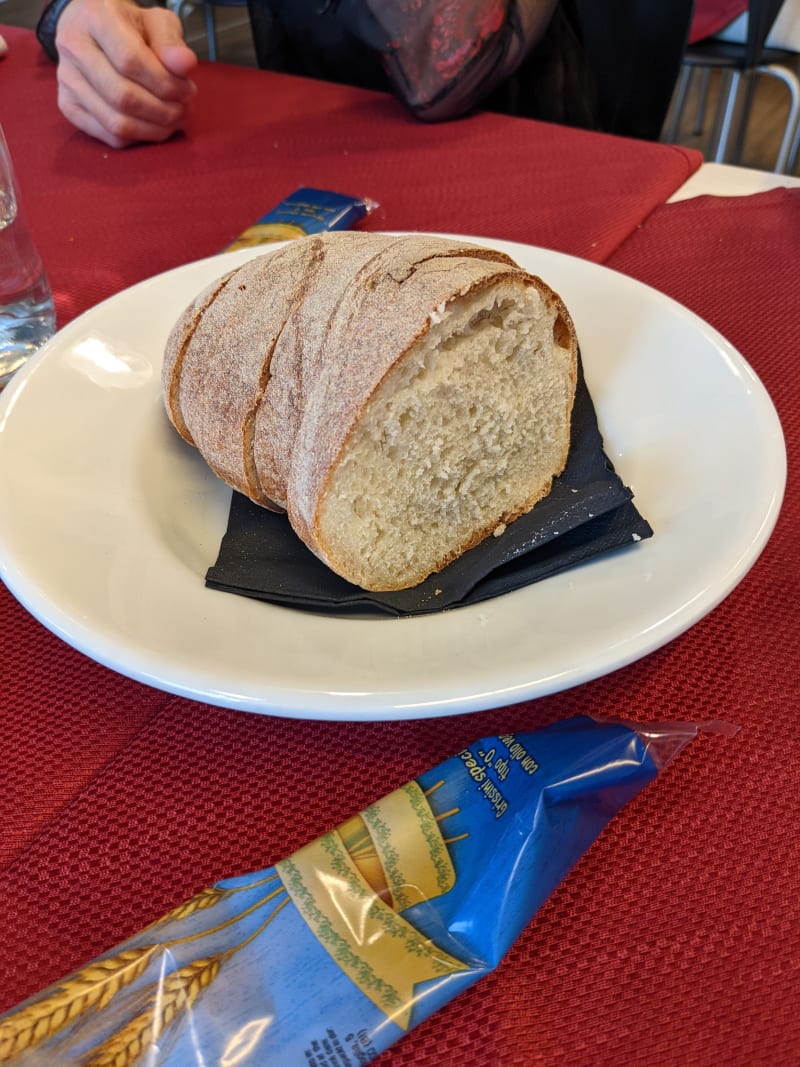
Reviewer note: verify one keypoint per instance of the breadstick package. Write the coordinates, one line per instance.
(333, 954)
(304, 212)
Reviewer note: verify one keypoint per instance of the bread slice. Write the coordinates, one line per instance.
(463, 433)
(177, 343)
(225, 361)
(294, 367)
(401, 397)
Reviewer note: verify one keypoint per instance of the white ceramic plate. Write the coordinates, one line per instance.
(109, 520)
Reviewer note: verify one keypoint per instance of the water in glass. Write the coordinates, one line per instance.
(27, 314)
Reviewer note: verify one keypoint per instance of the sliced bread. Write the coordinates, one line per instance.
(401, 397)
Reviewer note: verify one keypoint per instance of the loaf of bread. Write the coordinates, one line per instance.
(401, 398)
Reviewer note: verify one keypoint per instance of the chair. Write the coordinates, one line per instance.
(740, 64)
(634, 49)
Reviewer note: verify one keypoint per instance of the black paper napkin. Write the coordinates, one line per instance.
(588, 511)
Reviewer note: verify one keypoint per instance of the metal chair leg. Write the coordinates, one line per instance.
(794, 151)
(787, 152)
(750, 84)
(726, 108)
(211, 30)
(182, 8)
(672, 126)
(702, 101)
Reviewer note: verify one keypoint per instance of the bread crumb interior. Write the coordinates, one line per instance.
(465, 433)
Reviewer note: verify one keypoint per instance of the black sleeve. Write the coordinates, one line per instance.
(310, 38)
(46, 27)
(635, 49)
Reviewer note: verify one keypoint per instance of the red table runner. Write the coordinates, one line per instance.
(675, 940)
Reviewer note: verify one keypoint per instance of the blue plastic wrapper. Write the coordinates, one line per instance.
(305, 212)
(331, 955)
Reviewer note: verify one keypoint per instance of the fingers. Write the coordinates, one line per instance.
(123, 71)
(126, 121)
(164, 33)
(111, 130)
(134, 46)
(178, 59)
(3, 47)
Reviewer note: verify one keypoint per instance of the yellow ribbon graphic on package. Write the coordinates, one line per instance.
(350, 884)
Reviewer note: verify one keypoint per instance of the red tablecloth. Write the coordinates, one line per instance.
(676, 940)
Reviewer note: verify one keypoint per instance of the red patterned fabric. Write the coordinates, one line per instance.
(711, 16)
(676, 940)
(452, 34)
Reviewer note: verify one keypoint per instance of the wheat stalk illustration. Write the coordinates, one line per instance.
(93, 986)
(205, 899)
(169, 998)
(90, 988)
(201, 901)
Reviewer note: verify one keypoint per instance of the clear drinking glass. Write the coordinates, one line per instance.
(27, 314)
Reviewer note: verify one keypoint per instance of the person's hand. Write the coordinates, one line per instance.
(123, 71)
(3, 47)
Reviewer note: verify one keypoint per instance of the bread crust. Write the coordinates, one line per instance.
(177, 343)
(226, 362)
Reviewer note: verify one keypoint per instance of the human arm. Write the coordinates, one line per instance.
(123, 71)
